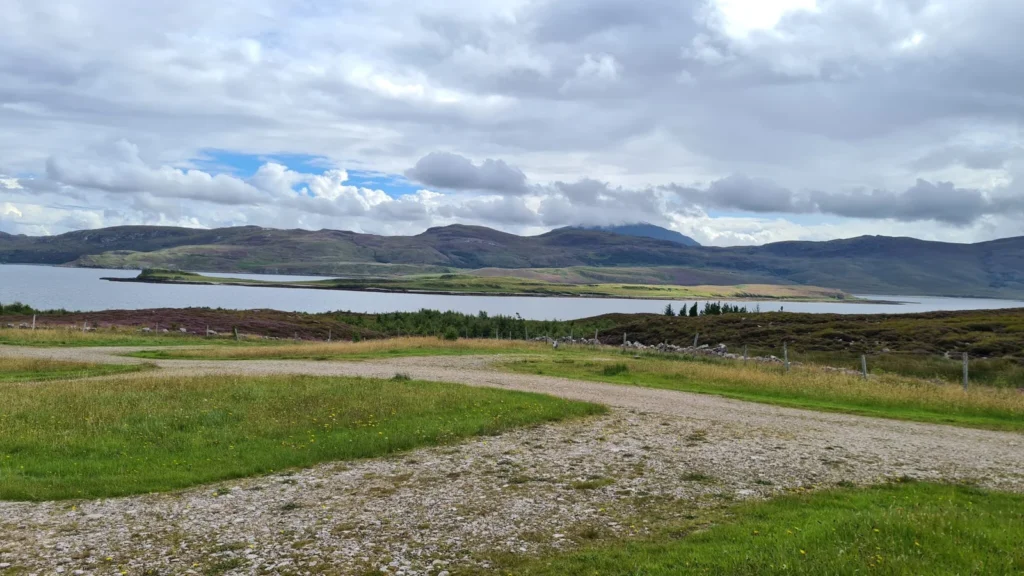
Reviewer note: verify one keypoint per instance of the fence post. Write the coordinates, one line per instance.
(328, 334)
(207, 331)
(526, 330)
(33, 321)
(864, 365)
(785, 355)
(235, 330)
(624, 339)
(695, 338)
(596, 341)
(744, 352)
(965, 371)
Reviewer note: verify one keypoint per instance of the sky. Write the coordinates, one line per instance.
(731, 121)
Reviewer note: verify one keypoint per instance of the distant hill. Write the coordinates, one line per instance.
(865, 265)
(645, 230)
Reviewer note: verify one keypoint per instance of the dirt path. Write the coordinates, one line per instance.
(525, 491)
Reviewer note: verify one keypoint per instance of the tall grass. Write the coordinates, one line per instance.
(113, 336)
(151, 433)
(1003, 372)
(37, 369)
(803, 387)
(406, 346)
(893, 529)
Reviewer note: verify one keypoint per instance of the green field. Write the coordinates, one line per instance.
(65, 338)
(519, 286)
(36, 369)
(909, 528)
(811, 388)
(365, 350)
(151, 433)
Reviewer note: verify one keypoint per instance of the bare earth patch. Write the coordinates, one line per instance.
(528, 491)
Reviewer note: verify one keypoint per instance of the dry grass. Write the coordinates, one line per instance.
(805, 386)
(34, 369)
(107, 336)
(406, 346)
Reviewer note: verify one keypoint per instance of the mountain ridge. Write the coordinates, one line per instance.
(646, 230)
(866, 264)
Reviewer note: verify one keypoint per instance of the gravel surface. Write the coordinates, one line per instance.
(528, 491)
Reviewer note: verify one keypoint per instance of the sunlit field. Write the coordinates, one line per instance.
(154, 433)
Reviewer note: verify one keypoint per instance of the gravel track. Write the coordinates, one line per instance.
(444, 508)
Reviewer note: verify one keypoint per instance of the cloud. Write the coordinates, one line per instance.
(924, 201)
(455, 172)
(835, 109)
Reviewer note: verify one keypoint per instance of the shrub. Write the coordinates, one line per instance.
(615, 369)
(451, 333)
(16, 308)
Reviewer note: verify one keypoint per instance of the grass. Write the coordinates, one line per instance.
(1002, 372)
(68, 338)
(368, 349)
(913, 528)
(40, 369)
(807, 387)
(512, 285)
(151, 434)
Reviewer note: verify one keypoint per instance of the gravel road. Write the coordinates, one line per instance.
(530, 490)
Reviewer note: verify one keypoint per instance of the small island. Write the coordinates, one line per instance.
(474, 285)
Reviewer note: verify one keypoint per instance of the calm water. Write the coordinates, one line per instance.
(47, 287)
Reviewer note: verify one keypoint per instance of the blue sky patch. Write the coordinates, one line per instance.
(394, 185)
(244, 165)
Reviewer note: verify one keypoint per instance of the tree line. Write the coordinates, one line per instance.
(710, 309)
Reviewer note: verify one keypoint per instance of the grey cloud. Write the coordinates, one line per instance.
(938, 201)
(499, 210)
(455, 172)
(991, 157)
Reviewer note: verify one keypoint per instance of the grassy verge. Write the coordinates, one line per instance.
(37, 369)
(151, 433)
(807, 387)
(65, 337)
(390, 348)
(911, 528)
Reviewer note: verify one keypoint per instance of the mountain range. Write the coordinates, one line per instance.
(865, 265)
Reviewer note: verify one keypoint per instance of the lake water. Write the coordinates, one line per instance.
(46, 287)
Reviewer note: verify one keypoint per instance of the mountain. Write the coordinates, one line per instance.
(645, 230)
(865, 265)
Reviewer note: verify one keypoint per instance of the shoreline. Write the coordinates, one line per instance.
(381, 290)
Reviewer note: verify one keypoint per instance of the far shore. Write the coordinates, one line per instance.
(549, 290)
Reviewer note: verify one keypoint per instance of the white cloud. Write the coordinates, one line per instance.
(834, 95)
